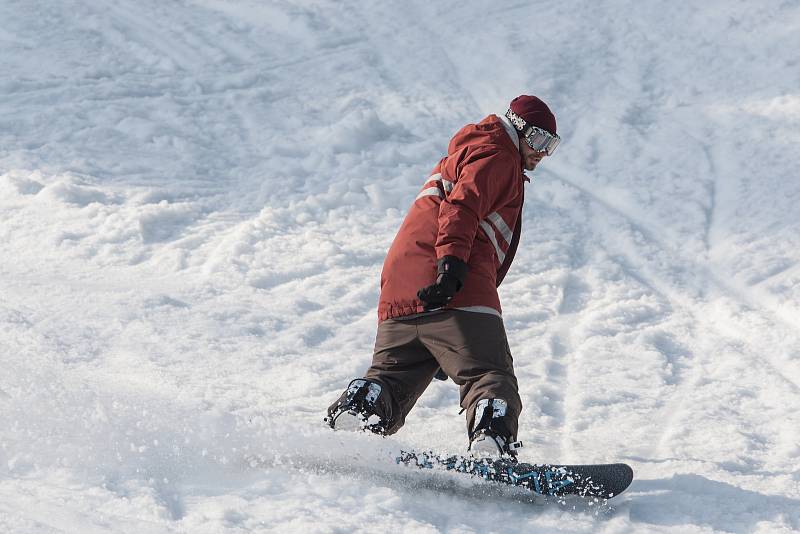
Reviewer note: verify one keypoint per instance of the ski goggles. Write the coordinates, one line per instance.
(537, 138)
(541, 140)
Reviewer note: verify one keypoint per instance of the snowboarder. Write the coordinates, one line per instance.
(439, 312)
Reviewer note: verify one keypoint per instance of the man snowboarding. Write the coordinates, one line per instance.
(439, 312)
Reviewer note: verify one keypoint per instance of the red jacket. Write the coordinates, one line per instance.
(467, 208)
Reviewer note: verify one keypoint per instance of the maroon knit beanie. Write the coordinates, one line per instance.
(535, 112)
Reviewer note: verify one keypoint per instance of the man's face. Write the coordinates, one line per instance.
(530, 157)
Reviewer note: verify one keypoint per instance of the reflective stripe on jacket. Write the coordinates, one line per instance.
(470, 207)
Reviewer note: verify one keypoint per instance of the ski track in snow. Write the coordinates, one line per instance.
(196, 200)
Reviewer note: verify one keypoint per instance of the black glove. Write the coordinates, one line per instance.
(451, 273)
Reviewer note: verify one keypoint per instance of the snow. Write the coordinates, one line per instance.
(196, 198)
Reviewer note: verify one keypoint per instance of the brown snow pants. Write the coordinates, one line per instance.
(471, 348)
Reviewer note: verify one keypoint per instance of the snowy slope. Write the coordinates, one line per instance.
(195, 201)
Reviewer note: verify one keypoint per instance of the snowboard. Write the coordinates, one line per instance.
(592, 480)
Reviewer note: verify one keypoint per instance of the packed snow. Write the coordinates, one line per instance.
(196, 198)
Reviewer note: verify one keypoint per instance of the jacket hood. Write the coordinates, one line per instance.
(491, 131)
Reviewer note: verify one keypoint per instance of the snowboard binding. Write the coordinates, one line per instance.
(358, 409)
(490, 436)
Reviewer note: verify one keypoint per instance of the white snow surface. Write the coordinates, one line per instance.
(196, 197)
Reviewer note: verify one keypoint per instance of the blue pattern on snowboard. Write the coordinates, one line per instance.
(591, 480)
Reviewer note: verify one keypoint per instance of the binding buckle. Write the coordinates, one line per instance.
(516, 445)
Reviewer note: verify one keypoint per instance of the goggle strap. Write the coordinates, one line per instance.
(518, 122)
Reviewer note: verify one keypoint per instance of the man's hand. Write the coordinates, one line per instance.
(451, 274)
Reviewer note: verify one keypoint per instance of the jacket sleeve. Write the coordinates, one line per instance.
(485, 183)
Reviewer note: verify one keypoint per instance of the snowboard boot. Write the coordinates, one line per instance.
(490, 437)
(358, 409)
